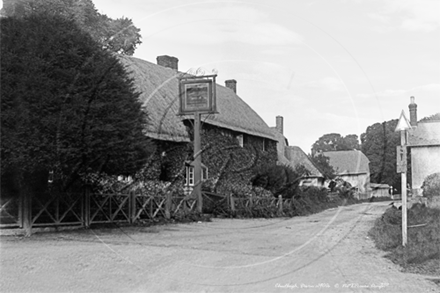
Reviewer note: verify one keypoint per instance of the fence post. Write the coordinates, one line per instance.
(132, 207)
(27, 213)
(87, 207)
(251, 202)
(20, 211)
(232, 203)
(168, 206)
(280, 203)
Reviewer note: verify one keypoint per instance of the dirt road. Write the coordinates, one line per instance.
(326, 252)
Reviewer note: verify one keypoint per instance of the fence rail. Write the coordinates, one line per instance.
(85, 209)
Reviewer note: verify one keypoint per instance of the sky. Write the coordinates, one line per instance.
(326, 66)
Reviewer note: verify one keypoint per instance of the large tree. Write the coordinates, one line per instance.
(117, 35)
(379, 145)
(335, 142)
(68, 106)
(351, 142)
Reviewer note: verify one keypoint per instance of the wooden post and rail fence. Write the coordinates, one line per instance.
(87, 208)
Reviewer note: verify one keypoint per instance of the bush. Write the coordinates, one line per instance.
(279, 179)
(423, 243)
(431, 185)
(387, 231)
(318, 194)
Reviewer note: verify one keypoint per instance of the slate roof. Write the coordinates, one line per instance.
(348, 162)
(297, 156)
(425, 134)
(158, 86)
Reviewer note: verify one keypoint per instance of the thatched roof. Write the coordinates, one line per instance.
(297, 156)
(293, 155)
(158, 86)
(348, 162)
(425, 134)
(281, 146)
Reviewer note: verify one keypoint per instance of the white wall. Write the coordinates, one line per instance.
(360, 181)
(424, 161)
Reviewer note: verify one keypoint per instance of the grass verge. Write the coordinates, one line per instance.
(422, 252)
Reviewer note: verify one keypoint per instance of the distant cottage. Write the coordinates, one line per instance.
(236, 122)
(352, 166)
(424, 145)
(298, 156)
(295, 156)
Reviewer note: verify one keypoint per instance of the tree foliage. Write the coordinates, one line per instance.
(67, 105)
(117, 35)
(379, 144)
(323, 163)
(336, 142)
(351, 142)
(431, 185)
(434, 117)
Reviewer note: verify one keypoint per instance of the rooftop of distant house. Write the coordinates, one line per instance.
(348, 162)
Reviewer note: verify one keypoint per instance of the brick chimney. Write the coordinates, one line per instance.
(168, 61)
(280, 124)
(232, 84)
(413, 112)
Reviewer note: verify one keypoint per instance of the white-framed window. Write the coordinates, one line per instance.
(125, 179)
(240, 140)
(189, 174)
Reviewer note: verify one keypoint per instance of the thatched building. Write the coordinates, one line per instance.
(236, 140)
(294, 156)
(351, 166)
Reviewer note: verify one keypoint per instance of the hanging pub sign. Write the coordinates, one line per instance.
(197, 95)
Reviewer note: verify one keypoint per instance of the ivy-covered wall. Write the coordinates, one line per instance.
(230, 166)
(167, 161)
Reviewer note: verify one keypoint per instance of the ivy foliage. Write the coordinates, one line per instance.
(67, 106)
(231, 166)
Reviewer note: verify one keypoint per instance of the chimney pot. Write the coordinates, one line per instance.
(232, 84)
(280, 124)
(413, 112)
(168, 61)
